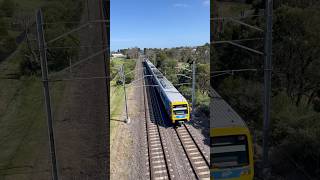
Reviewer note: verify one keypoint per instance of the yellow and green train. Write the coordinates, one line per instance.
(231, 152)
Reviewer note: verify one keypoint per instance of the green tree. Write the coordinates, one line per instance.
(3, 28)
(203, 78)
(297, 51)
(8, 7)
(160, 57)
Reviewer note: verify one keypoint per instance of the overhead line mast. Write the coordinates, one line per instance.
(267, 87)
(267, 67)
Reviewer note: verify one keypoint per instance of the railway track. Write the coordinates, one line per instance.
(159, 162)
(196, 158)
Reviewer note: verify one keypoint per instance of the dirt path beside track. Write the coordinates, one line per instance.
(128, 153)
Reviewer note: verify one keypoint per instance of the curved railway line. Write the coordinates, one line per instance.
(196, 158)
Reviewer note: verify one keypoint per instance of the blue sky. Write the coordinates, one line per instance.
(159, 23)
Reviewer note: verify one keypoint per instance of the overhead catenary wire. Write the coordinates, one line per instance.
(82, 61)
(236, 40)
(76, 22)
(236, 17)
(4, 172)
(75, 30)
(232, 70)
(267, 54)
(75, 79)
(72, 47)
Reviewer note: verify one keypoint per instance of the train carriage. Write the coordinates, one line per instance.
(177, 107)
(231, 151)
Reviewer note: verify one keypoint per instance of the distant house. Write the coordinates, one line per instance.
(118, 55)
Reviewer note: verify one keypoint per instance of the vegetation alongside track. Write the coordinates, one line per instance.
(23, 127)
(117, 91)
(167, 60)
(295, 129)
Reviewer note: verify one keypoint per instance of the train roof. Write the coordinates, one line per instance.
(221, 113)
(172, 93)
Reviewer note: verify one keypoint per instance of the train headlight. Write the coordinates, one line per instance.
(245, 172)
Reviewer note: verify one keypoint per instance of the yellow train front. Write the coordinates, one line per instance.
(231, 153)
(176, 106)
(179, 112)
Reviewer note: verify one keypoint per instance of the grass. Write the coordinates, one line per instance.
(117, 106)
(117, 95)
(22, 124)
(23, 127)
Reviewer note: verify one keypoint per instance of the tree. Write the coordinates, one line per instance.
(160, 57)
(3, 28)
(133, 53)
(297, 51)
(203, 78)
(8, 7)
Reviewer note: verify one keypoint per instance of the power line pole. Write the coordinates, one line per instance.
(267, 86)
(88, 11)
(193, 88)
(125, 93)
(44, 68)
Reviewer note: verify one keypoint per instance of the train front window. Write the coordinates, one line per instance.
(229, 151)
(180, 112)
(180, 106)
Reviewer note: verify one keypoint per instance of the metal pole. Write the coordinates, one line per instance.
(88, 11)
(70, 64)
(267, 87)
(43, 57)
(125, 93)
(193, 88)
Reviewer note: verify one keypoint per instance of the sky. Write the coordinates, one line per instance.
(159, 23)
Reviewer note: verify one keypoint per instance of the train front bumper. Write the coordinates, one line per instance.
(180, 118)
(241, 173)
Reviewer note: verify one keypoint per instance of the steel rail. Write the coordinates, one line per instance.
(156, 116)
(192, 159)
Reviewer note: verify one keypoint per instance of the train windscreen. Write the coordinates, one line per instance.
(180, 106)
(229, 151)
(180, 112)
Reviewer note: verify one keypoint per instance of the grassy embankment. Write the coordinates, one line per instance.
(117, 93)
(22, 123)
(23, 127)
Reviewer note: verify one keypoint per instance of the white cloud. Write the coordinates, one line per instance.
(181, 5)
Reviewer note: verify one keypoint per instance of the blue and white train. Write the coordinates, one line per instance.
(177, 107)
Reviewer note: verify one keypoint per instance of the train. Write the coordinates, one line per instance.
(231, 145)
(176, 105)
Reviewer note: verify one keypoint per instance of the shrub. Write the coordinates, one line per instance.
(8, 7)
